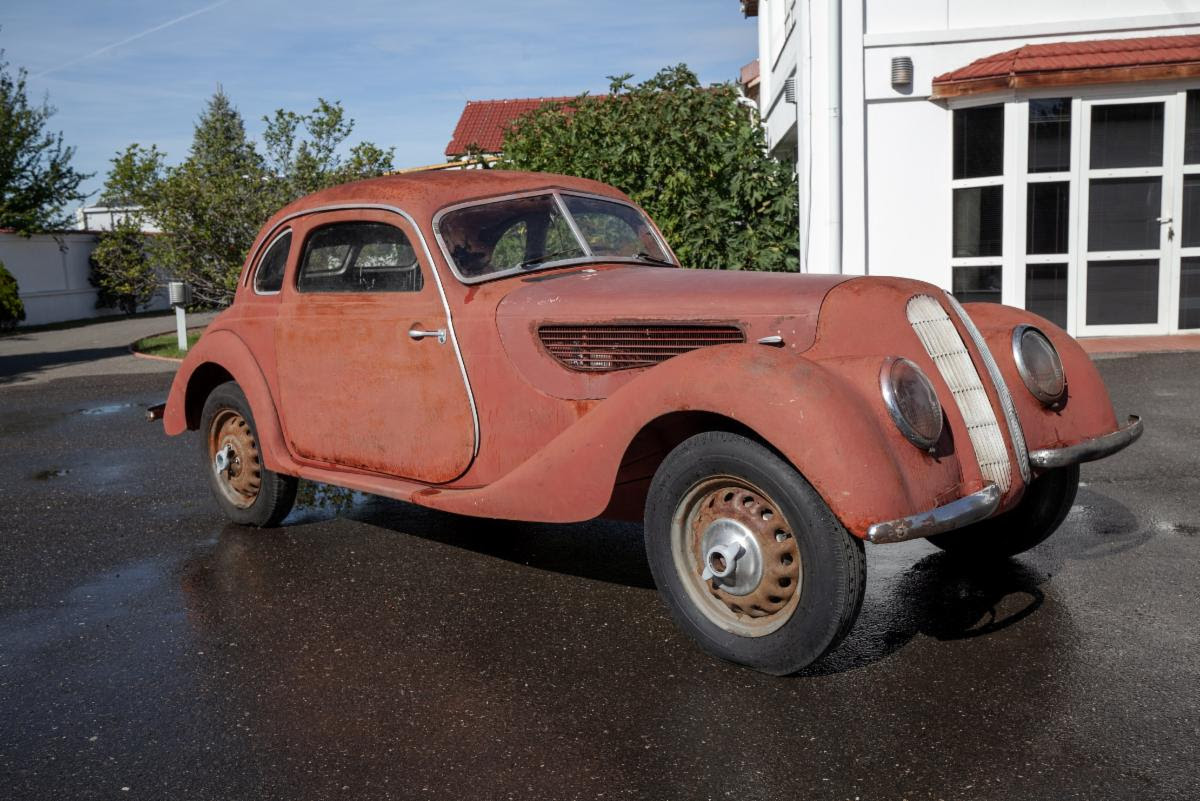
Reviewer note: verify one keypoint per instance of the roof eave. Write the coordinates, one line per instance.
(968, 87)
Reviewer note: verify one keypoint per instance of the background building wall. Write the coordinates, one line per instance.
(891, 205)
(52, 276)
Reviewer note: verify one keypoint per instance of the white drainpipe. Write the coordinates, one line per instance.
(835, 136)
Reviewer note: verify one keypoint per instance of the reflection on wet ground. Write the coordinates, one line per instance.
(376, 649)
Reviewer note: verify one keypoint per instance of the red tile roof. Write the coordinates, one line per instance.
(483, 122)
(1065, 63)
(749, 73)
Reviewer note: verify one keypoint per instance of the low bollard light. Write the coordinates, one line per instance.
(179, 295)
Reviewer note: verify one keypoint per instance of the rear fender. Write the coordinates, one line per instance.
(226, 350)
(807, 412)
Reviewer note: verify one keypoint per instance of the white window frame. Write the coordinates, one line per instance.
(1022, 179)
(1016, 179)
(1002, 180)
(1172, 131)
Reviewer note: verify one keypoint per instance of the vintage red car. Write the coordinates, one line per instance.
(523, 346)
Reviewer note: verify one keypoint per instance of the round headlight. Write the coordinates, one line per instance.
(1039, 365)
(911, 401)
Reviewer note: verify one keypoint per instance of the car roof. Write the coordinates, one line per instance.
(422, 194)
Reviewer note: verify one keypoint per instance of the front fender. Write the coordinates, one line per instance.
(226, 350)
(1088, 411)
(819, 420)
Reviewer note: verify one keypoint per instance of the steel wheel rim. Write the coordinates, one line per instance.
(239, 473)
(709, 519)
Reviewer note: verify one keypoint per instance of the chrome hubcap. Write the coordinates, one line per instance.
(223, 459)
(732, 558)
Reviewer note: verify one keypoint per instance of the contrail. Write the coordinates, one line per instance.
(133, 38)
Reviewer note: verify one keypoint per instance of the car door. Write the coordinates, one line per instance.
(368, 377)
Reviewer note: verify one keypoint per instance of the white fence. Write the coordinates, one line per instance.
(52, 276)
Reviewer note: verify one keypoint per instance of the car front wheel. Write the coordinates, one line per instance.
(748, 558)
(245, 489)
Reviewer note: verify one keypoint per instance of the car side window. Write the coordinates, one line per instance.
(269, 277)
(359, 257)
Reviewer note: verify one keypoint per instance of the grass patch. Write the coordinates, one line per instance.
(166, 344)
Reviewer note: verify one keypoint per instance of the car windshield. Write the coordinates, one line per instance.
(506, 236)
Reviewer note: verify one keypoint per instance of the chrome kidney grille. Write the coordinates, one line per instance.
(949, 353)
(1006, 401)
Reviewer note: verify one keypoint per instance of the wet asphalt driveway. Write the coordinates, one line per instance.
(150, 650)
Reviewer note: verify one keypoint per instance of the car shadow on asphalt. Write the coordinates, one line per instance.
(600, 550)
(952, 597)
(942, 596)
(17, 368)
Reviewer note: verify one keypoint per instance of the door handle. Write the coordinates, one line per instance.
(417, 333)
(1164, 220)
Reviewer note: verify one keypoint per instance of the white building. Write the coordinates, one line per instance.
(961, 142)
(106, 218)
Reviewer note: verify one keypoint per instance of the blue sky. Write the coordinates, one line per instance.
(140, 71)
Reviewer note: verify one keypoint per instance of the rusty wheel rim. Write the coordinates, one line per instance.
(736, 554)
(234, 458)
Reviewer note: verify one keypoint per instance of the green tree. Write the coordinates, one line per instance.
(36, 177)
(694, 157)
(133, 178)
(309, 162)
(12, 310)
(210, 207)
(122, 269)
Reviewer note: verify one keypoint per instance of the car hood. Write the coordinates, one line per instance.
(783, 305)
(762, 304)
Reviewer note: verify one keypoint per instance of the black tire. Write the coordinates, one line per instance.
(1042, 509)
(830, 572)
(246, 491)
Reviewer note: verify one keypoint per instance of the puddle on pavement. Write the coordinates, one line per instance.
(46, 475)
(316, 501)
(110, 408)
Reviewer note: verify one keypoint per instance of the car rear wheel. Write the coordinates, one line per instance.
(1042, 509)
(245, 489)
(748, 558)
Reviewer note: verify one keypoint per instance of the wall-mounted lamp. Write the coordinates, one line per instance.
(902, 72)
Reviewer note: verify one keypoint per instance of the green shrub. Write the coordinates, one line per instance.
(121, 269)
(12, 310)
(693, 156)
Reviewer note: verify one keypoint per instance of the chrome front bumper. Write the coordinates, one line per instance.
(956, 514)
(981, 505)
(1090, 450)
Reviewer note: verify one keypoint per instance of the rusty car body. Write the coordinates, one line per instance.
(763, 425)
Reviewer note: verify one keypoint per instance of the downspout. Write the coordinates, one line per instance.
(835, 136)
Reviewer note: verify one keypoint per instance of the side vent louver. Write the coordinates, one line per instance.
(603, 347)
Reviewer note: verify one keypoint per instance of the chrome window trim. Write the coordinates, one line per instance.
(575, 229)
(1015, 432)
(556, 193)
(888, 389)
(1051, 401)
(258, 266)
(437, 279)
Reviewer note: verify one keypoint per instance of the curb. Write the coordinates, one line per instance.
(151, 356)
